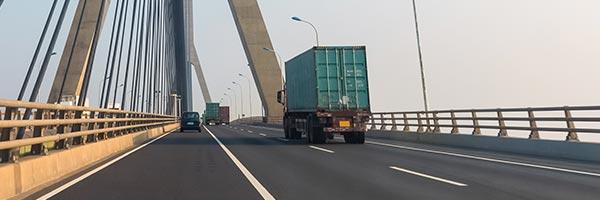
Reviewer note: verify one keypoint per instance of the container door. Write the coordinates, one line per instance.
(328, 83)
(342, 78)
(354, 91)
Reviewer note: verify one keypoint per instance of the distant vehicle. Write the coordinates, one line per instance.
(190, 121)
(326, 93)
(211, 114)
(224, 115)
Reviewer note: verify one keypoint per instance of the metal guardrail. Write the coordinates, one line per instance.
(533, 120)
(55, 127)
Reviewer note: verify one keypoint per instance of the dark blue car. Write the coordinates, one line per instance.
(190, 121)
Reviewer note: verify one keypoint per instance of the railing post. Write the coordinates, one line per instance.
(383, 126)
(77, 128)
(101, 136)
(476, 128)
(61, 144)
(5, 135)
(572, 136)
(406, 125)
(394, 124)
(454, 124)
(436, 123)
(419, 123)
(428, 122)
(501, 124)
(535, 134)
(9, 155)
(373, 126)
(39, 149)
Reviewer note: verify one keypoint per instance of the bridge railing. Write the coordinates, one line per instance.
(502, 121)
(56, 127)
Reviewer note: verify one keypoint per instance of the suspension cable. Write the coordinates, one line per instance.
(37, 50)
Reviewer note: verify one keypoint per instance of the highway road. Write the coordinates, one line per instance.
(249, 162)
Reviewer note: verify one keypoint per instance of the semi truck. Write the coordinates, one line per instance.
(327, 93)
(211, 114)
(224, 115)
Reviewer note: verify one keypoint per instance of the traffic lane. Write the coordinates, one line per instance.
(560, 163)
(293, 170)
(486, 178)
(179, 166)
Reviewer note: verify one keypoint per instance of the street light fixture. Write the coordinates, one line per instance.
(249, 92)
(307, 22)
(281, 65)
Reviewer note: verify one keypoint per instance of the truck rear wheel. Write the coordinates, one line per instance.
(354, 138)
(318, 136)
(295, 134)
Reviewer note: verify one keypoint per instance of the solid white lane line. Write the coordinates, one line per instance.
(321, 149)
(257, 185)
(90, 173)
(488, 159)
(262, 134)
(429, 176)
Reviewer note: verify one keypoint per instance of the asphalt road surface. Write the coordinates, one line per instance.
(248, 162)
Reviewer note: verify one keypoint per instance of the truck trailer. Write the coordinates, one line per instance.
(211, 114)
(224, 115)
(327, 93)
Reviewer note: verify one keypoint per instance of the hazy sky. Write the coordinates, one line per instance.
(477, 54)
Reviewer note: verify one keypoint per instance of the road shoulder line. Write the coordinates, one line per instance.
(96, 170)
(257, 185)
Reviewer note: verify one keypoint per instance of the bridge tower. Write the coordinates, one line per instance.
(264, 66)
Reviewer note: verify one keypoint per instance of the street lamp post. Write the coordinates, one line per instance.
(241, 96)
(235, 101)
(424, 87)
(231, 103)
(281, 64)
(249, 92)
(313, 26)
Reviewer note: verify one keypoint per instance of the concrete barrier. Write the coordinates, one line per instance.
(32, 173)
(544, 148)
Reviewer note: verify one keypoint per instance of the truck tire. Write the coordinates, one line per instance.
(295, 134)
(359, 138)
(286, 128)
(354, 138)
(348, 138)
(318, 136)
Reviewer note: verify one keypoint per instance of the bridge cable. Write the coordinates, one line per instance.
(42, 72)
(112, 57)
(136, 99)
(117, 85)
(37, 50)
(110, 49)
(124, 95)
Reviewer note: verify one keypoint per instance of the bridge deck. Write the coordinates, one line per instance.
(193, 166)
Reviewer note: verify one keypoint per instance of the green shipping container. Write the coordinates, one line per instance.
(211, 112)
(328, 79)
